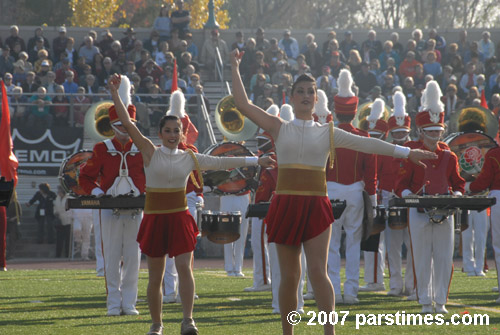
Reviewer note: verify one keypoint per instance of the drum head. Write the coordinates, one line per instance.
(238, 180)
(470, 149)
(70, 171)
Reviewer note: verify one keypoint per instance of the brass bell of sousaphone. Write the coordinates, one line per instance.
(364, 111)
(97, 123)
(473, 118)
(231, 123)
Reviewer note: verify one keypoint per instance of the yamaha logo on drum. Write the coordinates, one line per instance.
(42, 152)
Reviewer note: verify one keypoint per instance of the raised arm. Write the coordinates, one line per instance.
(145, 146)
(269, 123)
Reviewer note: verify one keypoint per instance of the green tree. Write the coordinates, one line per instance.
(94, 13)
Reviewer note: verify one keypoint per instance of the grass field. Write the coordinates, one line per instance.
(73, 302)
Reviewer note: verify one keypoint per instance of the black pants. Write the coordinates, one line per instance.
(46, 224)
(62, 240)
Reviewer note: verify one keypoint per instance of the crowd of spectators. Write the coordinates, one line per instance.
(43, 77)
(466, 70)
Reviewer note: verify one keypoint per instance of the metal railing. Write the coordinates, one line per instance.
(197, 111)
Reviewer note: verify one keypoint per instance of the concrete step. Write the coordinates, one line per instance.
(34, 250)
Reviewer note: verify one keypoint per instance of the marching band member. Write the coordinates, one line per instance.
(321, 112)
(115, 168)
(167, 226)
(399, 127)
(260, 247)
(474, 243)
(375, 261)
(300, 212)
(352, 173)
(489, 179)
(431, 243)
(194, 194)
(235, 251)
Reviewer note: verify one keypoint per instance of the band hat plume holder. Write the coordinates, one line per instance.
(345, 101)
(400, 120)
(431, 116)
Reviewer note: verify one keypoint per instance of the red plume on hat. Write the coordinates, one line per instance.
(400, 120)
(174, 78)
(345, 102)
(124, 93)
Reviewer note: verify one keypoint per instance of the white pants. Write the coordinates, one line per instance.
(375, 263)
(474, 242)
(276, 278)
(170, 278)
(234, 252)
(432, 248)
(119, 234)
(351, 220)
(99, 260)
(261, 274)
(394, 239)
(82, 227)
(495, 229)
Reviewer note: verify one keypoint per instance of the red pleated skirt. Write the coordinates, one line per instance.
(293, 219)
(172, 234)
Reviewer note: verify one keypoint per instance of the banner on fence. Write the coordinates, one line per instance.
(40, 152)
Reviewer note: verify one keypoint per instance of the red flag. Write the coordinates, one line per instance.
(284, 97)
(8, 161)
(174, 78)
(483, 100)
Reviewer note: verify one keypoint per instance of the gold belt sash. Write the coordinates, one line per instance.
(165, 200)
(299, 179)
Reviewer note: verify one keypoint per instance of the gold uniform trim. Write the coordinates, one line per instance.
(332, 144)
(165, 200)
(301, 180)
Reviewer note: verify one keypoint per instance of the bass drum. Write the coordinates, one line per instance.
(233, 181)
(70, 171)
(470, 149)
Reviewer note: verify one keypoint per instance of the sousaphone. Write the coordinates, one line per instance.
(472, 118)
(364, 111)
(231, 123)
(97, 123)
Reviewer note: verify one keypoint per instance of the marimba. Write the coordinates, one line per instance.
(444, 202)
(107, 202)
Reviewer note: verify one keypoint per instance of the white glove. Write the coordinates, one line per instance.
(200, 200)
(467, 187)
(406, 193)
(97, 192)
(457, 193)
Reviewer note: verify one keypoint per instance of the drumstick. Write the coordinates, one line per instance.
(423, 186)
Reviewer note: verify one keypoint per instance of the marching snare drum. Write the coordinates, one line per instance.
(379, 220)
(398, 218)
(220, 227)
(70, 171)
